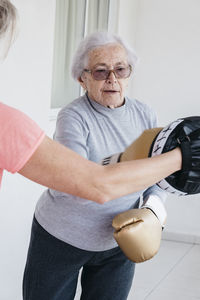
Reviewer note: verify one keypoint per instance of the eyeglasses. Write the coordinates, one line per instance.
(103, 74)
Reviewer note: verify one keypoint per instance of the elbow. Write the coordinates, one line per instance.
(100, 197)
(104, 198)
(102, 187)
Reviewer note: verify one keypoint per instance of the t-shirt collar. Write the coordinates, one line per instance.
(106, 110)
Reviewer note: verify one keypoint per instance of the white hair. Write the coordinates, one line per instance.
(8, 20)
(96, 40)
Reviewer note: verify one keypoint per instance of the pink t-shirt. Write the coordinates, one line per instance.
(19, 138)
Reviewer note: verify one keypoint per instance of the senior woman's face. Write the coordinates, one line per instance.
(110, 91)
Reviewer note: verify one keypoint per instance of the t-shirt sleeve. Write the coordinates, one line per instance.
(71, 132)
(19, 138)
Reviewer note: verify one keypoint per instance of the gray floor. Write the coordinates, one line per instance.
(174, 273)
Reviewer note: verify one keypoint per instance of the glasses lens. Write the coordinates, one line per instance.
(120, 72)
(100, 74)
(123, 72)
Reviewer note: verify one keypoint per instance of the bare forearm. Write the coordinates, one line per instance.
(132, 176)
(59, 168)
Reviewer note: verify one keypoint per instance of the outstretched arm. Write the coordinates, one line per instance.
(57, 167)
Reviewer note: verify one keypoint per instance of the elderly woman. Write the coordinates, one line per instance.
(24, 148)
(70, 233)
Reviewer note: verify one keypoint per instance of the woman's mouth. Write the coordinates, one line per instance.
(110, 91)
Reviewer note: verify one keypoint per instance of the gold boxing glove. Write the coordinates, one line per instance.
(139, 149)
(141, 146)
(138, 233)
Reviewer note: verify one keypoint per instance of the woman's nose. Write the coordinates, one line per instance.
(111, 77)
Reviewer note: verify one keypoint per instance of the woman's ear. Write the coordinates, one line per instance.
(82, 83)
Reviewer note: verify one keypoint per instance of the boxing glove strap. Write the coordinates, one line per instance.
(154, 203)
(113, 159)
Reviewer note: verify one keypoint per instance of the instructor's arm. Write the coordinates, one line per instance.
(57, 167)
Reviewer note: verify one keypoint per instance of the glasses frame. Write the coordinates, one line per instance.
(91, 71)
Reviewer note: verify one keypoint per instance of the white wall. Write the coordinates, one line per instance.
(166, 36)
(25, 79)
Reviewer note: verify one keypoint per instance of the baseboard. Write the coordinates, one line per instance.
(181, 237)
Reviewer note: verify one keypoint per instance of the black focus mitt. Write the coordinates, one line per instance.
(183, 133)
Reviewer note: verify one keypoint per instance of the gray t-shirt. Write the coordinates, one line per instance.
(95, 132)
